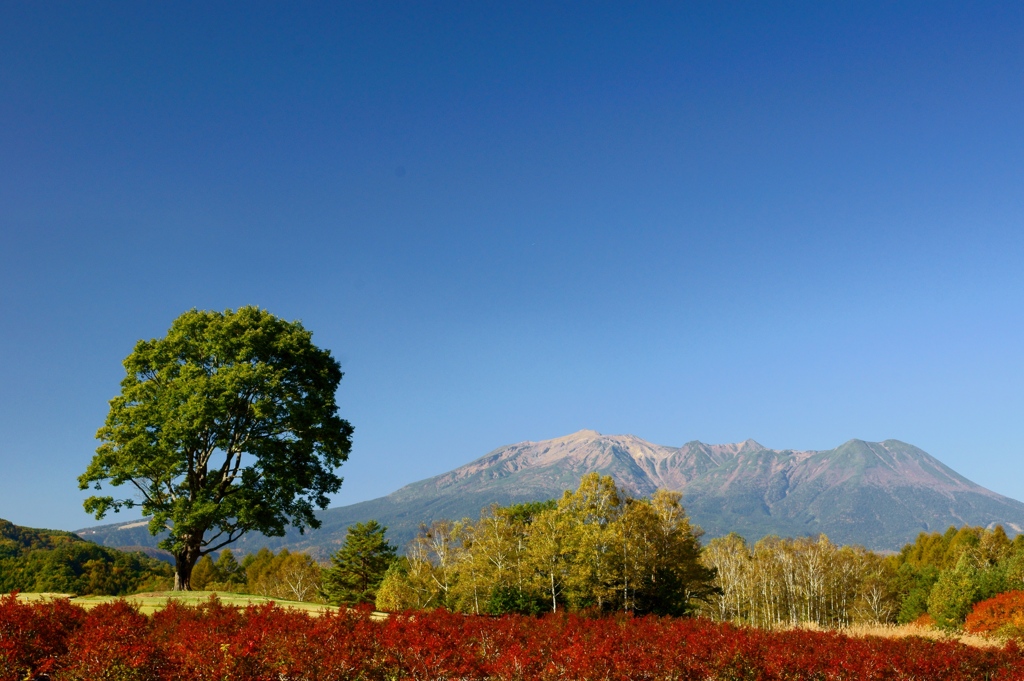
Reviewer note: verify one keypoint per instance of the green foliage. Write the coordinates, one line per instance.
(953, 594)
(990, 580)
(15, 540)
(293, 576)
(61, 562)
(204, 573)
(524, 513)
(913, 585)
(397, 591)
(1013, 568)
(358, 567)
(945, 574)
(674, 580)
(914, 605)
(226, 425)
(594, 549)
(505, 600)
(945, 550)
(229, 572)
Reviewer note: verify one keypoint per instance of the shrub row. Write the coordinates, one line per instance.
(59, 641)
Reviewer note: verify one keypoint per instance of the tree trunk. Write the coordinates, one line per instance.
(184, 561)
(182, 576)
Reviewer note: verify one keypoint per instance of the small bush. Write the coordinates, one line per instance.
(1002, 614)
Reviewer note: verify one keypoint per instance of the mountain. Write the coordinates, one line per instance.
(877, 494)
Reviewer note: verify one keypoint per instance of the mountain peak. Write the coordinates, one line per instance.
(585, 434)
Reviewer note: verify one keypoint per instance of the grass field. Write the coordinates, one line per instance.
(915, 630)
(151, 602)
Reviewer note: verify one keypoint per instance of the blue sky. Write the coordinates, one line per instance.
(801, 224)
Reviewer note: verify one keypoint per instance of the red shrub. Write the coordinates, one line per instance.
(196, 640)
(432, 645)
(347, 645)
(1005, 611)
(924, 621)
(34, 636)
(213, 641)
(113, 642)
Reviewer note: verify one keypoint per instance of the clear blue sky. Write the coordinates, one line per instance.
(511, 221)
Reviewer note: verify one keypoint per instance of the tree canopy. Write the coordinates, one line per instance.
(594, 549)
(226, 425)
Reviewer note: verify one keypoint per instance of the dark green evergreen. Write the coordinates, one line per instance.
(229, 572)
(505, 600)
(358, 567)
(912, 586)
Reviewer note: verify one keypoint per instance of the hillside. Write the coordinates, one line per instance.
(61, 562)
(878, 494)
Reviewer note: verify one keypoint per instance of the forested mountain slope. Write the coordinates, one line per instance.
(61, 562)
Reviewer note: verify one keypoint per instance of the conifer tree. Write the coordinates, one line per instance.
(358, 567)
(229, 571)
(204, 573)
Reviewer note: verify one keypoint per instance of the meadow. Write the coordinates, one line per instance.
(151, 602)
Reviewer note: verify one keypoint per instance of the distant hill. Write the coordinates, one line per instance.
(877, 494)
(61, 562)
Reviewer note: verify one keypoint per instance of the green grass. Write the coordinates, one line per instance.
(32, 597)
(151, 602)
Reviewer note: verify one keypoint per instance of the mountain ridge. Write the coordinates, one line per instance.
(877, 494)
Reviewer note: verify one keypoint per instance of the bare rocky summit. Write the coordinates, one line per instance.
(877, 494)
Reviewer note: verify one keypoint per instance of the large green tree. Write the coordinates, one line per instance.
(226, 425)
(358, 567)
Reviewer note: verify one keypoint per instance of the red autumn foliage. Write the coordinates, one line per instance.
(1002, 613)
(113, 642)
(33, 637)
(57, 641)
(924, 620)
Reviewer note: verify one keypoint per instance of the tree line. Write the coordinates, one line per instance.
(598, 549)
(790, 581)
(944, 575)
(285, 575)
(593, 549)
